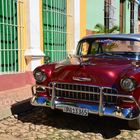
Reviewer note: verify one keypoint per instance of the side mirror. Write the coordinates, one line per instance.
(46, 59)
(70, 55)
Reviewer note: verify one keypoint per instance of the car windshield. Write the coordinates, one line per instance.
(110, 48)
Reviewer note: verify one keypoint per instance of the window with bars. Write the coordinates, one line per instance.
(121, 16)
(54, 28)
(132, 23)
(10, 34)
(139, 12)
(109, 10)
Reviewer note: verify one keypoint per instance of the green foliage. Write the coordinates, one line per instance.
(99, 28)
(111, 46)
(131, 0)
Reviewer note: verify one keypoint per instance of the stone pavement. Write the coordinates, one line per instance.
(11, 100)
(36, 123)
(43, 124)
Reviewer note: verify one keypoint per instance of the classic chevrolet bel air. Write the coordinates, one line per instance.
(102, 78)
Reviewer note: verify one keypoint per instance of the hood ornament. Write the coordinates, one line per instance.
(135, 64)
(81, 79)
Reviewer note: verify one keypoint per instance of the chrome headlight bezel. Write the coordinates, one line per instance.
(39, 76)
(128, 84)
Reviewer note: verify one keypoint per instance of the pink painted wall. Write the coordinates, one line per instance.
(139, 27)
(11, 81)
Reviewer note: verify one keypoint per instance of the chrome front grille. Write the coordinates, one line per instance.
(109, 90)
(84, 92)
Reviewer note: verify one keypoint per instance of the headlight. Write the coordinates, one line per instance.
(40, 76)
(128, 84)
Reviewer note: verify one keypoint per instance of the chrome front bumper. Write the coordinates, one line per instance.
(100, 109)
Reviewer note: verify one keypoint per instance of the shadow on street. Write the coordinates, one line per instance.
(108, 127)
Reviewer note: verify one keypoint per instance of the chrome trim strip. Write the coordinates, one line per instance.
(53, 96)
(78, 91)
(112, 113)
(81, 100)
(36, 86)
(89, 93)
(117, 95)
(43, 89)
(34, 103)
(136, 103)
(33, 92)
(79, 84)
(101, 106)
(101, 112)
(81, 79)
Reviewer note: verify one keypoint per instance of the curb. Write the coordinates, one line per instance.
(16, 109)
(15, 101)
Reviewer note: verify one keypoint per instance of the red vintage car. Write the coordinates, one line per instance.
(102, 78)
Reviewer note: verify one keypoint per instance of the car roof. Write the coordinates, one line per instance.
(135, 37)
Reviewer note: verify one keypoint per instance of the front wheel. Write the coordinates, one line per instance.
(134, 124)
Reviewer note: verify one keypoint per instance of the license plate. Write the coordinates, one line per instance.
(76, 110)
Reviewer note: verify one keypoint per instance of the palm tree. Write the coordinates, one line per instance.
(99, 28)
(131, 0)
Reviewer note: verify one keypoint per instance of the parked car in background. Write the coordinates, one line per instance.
(102, 78)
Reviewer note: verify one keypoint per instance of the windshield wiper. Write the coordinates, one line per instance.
(104, 54)
(111, 55)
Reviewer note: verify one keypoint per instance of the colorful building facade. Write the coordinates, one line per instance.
(32, 29)
(139, 19)
(121, 13)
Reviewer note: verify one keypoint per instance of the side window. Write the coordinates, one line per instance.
(94, 48)
(85, 48)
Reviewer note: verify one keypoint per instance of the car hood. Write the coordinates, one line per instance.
(95, 71)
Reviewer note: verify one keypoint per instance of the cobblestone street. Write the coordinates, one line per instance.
(43, 124)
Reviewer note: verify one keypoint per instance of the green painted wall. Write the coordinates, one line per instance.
(117, 12)
(136, 18)
(54, 29)
(126, 15)
(8, 36)
(94, 13)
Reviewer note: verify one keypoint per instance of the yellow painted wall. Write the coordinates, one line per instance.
(70, 28)
(21, 5)
(82, 18)
(41, 29)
